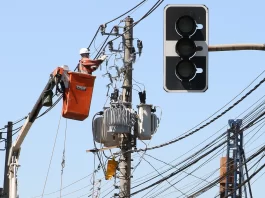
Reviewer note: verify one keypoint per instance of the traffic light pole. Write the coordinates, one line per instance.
(235, 47)
(125, 159)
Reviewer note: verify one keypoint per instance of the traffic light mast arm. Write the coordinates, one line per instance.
(235, 47)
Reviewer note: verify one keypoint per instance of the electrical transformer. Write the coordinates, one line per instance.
(154, 123)
(117, 120)
(147, 122)
(101, 136)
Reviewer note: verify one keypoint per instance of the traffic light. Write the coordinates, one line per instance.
(185, 48)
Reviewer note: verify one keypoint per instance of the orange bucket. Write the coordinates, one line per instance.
(77, 97)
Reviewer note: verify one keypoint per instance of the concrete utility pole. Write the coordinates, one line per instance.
(8, 146)
(125, 159)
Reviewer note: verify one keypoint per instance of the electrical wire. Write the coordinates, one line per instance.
(94, 37)
(3, 128)
(14, 123)
(63, 158)
(257, 178)
(16, 131)
(227, 173)
(154, 7)
(18, 121)
(103, 45)
(206, 124)
(127, 12)
(138, 87)
(94, 174)
(244, 182)
(189, 158)
(61, 95)
(70, 193)
(215, 155)
(138, 83)
(173, 141)
(115, 20)
(51, 158)
(176, 172)
(163, 178)
(133, 182)
(190, 174)
(65, 186)
(263, 124)
(203, 164)
(50, 108)
(254, 103)
(110, 22)
(141, 158)
(147, 14)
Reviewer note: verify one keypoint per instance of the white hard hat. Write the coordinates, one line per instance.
(84, 51)
(65, 67)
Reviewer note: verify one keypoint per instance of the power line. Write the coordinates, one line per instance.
(245, 181)
(208, 123)
(203, 164)
(126, 12)
(88, 47)
(189, 158)
(20, 120)
(139, 4)
(50, 108)
(63, 158)
(153, 8)
(175, 167)
(177, 171)
(182, 137)
(104, 42)
(115, 20)
(65, 186)
(163, 177)
(51, 158)
(204, 189)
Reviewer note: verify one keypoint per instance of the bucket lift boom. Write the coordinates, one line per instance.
(77, 91)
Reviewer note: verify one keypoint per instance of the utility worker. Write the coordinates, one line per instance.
(86, 65)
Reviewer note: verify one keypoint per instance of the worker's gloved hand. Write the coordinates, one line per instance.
(103, 57)
(94, 68)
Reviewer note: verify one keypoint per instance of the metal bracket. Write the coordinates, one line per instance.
(112, 34)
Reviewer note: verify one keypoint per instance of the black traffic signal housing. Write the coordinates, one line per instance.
(185, 48)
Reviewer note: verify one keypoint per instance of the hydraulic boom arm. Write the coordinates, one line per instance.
(58, 76)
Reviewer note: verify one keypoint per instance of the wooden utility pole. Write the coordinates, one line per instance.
(125, 159)
(8, 146)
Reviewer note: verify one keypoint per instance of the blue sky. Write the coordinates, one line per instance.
(38, 36)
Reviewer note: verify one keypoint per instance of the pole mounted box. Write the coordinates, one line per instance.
(185, 48)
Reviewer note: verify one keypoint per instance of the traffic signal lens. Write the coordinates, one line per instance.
(186, 25)
(185, 70)
(185, 48)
